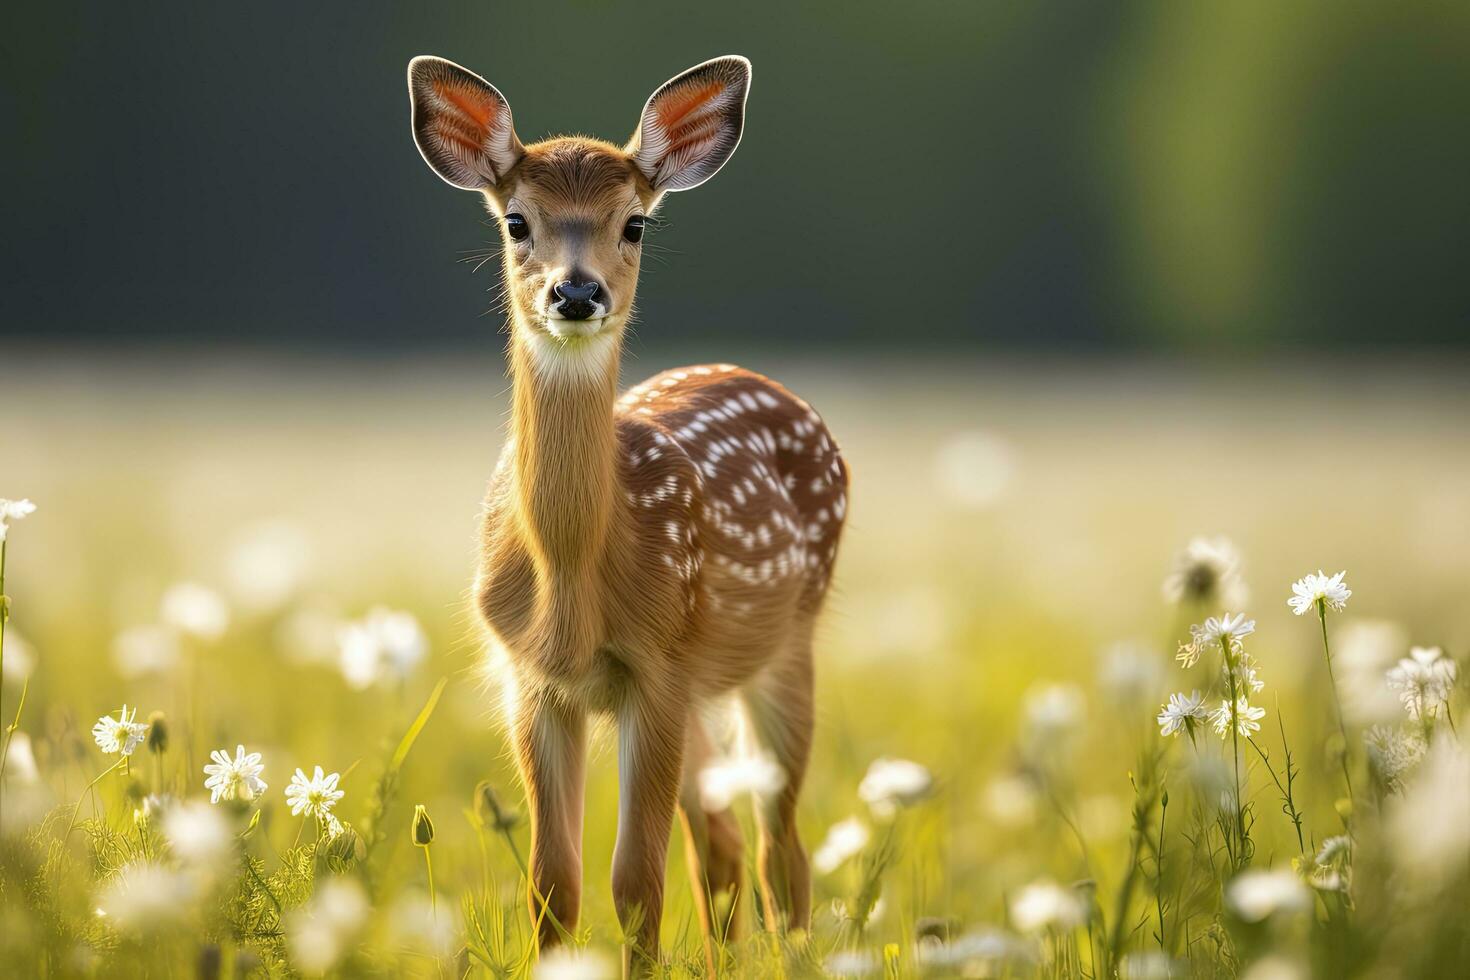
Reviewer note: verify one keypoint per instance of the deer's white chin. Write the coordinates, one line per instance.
(568, 329)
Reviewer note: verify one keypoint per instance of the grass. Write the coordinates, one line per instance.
(1010, 527)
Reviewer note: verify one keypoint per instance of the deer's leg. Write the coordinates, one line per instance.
(650, 761)
(550, 745)
(713, 850)
(779, 711)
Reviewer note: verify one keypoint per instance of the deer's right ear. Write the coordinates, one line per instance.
(461, 124)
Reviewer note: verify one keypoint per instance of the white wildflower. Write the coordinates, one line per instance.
(195, 610)
(1011, 800)
(20, 658)
(1247, 719)
(22, 759)
(976, 953)
(1182, 714)
(722, 781)
(318, 934)
(266, 565)
(122, 734)
(1047, 905)
(414, 923)
(234, 779)
(140, 650)
(314, 796)
(386, 644)
(1393, 754)
(1424, 680)
(1428, 832)
(893, 783)
(1311, 589)
(197, 833)
(1149, 964)
(13, 510)
(852, 963)
(1363, 650)
(1213, 634)
(1130, 673)
(1258, 895)
(1247, 680)
(146, 897)
(564, 963)
(1053, 712)
(844, 840)
(1335, 849)
(1276, 967)
(1207, 571)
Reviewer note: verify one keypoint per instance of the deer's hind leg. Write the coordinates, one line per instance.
(713, 849)
(779, 714)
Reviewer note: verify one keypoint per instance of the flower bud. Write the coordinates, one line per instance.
(157, 732)
(491, 812)
(423, 827)
(345, 849)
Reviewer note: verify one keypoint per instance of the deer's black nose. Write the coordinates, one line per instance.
(576, 298)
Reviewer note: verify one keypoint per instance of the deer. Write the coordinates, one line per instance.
(643, 555)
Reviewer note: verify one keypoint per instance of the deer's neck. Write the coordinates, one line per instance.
(565, 446)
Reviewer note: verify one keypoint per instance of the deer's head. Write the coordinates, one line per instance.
(572, 210)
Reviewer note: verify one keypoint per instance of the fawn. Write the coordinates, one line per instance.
(646, 554)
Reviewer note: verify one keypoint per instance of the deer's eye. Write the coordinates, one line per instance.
(633, 230)
(516, 227)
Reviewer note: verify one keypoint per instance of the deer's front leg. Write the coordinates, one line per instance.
(650, 759)
(550, 743)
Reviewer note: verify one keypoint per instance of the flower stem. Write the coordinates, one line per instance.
(72, 825)
(433, 899)
(1336, 701)
(1235, 751)
(1291, 811)
(514, 850)
(1159, 873)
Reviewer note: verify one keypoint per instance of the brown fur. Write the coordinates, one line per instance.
(642, 555)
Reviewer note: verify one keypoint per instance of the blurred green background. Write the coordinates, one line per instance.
(916, 175)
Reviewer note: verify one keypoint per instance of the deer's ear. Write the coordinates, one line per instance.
(461, 124)
(692, 124)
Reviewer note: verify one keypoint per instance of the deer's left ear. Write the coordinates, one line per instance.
(692, 124)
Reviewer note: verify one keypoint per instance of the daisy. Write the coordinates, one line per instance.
(1393, 754)
(1258, 895)
(385, 645)
(13, 510)
(1226, 629)
(1424, 680)
(1312, 589)
(234, 779)
(1247, 719)
(1245, 674)
(122, 734)
(1182, 713)
(315, 795)
(843, 840)
(1207, 571)
(892, 783)
(1045, 904)
(195, 610)
(723, 780)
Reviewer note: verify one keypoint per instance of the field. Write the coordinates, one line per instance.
(999, 618)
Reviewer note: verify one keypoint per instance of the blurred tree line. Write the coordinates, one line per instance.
(917, 175)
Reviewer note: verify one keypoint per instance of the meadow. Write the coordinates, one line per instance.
(277, 556)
